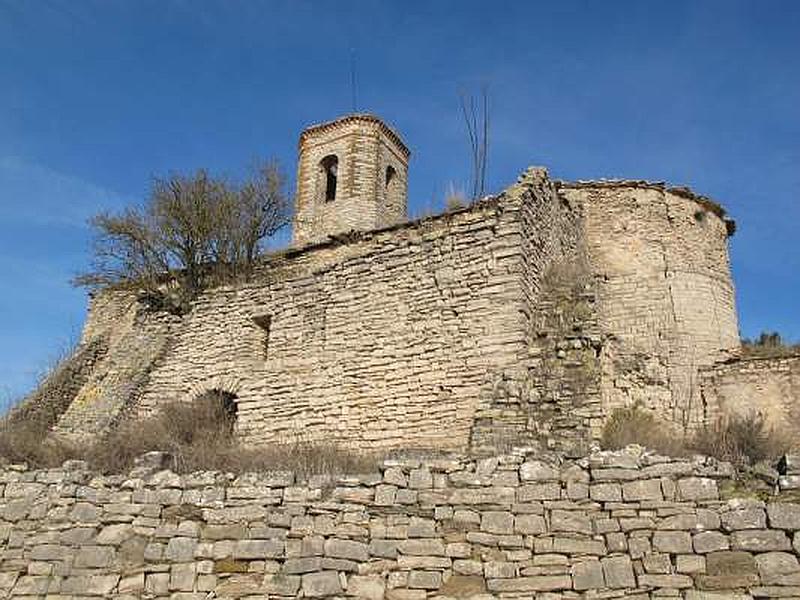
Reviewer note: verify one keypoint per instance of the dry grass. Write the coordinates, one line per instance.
(637, 425)
(198, 436)
(739, 440)
(28, 442)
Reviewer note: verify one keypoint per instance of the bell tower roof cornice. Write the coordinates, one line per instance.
(350, 119)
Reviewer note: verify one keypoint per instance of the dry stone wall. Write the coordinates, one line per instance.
(766, 386)
(665, 293)
(616, 524)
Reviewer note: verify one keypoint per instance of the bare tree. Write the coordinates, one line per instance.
(193, 230)
(476, 117)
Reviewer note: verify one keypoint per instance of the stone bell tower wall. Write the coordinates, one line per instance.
(372, 172)
(665, 292)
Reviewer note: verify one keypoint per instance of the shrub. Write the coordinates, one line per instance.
(636, 425)
(193, 230)
(740, 440)
(198, 436)
(769, 344)
(28, 442)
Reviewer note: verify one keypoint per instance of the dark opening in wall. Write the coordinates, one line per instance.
(218, 406)
(264, 323)
(330, 168)
(390, 175)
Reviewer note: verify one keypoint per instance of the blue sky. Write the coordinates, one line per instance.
(96, 98)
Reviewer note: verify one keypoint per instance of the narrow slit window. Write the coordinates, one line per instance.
(330, 169)
(264, 323)
(390, 175)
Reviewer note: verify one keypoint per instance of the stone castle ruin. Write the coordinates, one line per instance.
(525, 317)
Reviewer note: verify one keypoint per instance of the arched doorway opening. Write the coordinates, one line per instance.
(217, 408)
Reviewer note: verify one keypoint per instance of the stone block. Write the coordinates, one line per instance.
(258, 549)
(499, 522)
(730, 562)
(690, 564)
(458, 550)
(656, 562)
(50, 552)
(385, 495)
(383, 548)
(536, 583)
(783, 515)
(577, 490)
(420, 479)
(616, 542)
(778, 568)
(618, 572)
(279, 584)
(319, 585)
(644, 489)
(535, 470)
(423, 562)
(697, 488)
(425, 580)
(182, 577)
(30, 585)
(672, 542)
(299, 566)
(468, 567)
(747, 518)
(347, 549)
(699, 520)
(606, 492)
(570, 521)
(587, 575)
(529, 524)
(368, 587)
(421, 547)
(89, 585)
(757, 540)
(539, 491)
(156, 584)
(131, 584)
(710, 541)
(499, 570)
(92, 557)
(181, 549)
(565, 545)
(113, 535)
(677, 582)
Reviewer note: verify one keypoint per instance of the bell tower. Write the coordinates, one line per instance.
(352, 175)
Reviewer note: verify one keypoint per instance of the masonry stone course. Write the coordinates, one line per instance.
(246, 541)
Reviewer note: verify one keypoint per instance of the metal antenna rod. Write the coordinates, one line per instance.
(353, 77)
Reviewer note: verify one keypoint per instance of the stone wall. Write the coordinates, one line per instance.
(380, 339)
(622, 524)
(769, 386)
(446, 332)
(134, 339)
(665, 293)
